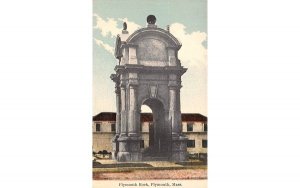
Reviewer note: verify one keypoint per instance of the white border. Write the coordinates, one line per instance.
(45, 98)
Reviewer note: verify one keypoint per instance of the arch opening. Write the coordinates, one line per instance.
(155, 129)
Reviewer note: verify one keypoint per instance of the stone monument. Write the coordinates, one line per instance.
(149, 73)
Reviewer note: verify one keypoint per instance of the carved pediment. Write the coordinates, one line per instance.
(157, 33)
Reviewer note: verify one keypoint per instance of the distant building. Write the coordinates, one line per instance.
(194, 126)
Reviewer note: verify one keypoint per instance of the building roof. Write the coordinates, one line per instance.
(193, 117)
(111, 116)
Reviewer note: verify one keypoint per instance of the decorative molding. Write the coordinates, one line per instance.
(155, 31)
(153, 90)
(120, 69)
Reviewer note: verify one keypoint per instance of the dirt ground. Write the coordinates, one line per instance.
(152, 174)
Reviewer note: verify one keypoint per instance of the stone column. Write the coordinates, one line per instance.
(118, 109)
(123, 130)
(129, 140)
(132, 121)
(179, 110)
(115, 142)
(123, 154)
(175, 114)
(178, 140)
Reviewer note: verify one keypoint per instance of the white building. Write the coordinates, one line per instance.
(194, 126)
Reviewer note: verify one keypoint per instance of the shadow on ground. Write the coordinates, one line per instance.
(99, 165)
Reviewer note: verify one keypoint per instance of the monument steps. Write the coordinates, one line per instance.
(155, 157)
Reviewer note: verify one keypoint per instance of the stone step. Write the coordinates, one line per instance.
(155, 158)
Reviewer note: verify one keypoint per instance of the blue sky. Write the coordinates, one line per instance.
(188, 22)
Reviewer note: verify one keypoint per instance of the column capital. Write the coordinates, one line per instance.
(133, 84)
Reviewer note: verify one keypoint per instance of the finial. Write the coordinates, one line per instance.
(124, 26)
(168, 28)
(151, 19)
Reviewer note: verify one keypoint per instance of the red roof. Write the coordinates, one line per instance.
(105, 116)
(193, 117)
(145, 117)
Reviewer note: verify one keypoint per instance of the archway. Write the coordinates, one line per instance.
(159, 133)
(149, 73)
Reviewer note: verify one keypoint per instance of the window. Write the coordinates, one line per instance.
(98, 127)
(142, 144)
(205, 127)
(191, 143)
(190, 127)
(204, 143)
(113, 127)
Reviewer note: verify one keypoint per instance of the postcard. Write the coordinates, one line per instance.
(149, 93)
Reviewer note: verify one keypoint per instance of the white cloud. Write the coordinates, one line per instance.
(193, 55)
(192, 52)
(107, 28)
(107, 47)
(110, 27)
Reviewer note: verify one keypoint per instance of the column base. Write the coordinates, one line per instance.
(115, 147)
(129, 156)
(179, 156)
(123, 156)
(129, 149)
(179, 148)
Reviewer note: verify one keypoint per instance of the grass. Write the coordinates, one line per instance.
(130, 169)
(120, 165)
(191, 163)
